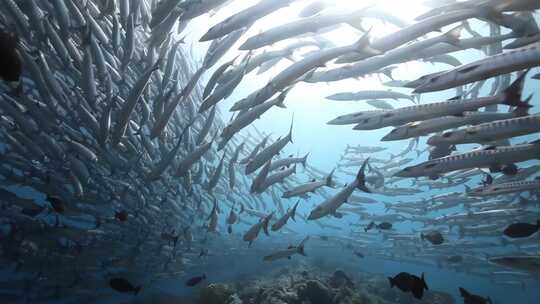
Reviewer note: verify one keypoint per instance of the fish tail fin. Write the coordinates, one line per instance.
(266, 222)
(362, 46)
(304, 160)
(290, 129)
(137, 290)
(293, 211)
(282, 96)
(424, 282)
(422, 236)
(361, 177)
(522, 111)
(281, 104)
(512, 95)
(452, 36)
(329, 180)
(301, 246)
(391, 282)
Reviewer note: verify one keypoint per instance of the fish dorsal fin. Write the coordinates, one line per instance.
(469, 68)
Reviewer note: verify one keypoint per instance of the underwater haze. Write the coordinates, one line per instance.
(269, 151)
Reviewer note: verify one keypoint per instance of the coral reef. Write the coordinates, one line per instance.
(311, 286)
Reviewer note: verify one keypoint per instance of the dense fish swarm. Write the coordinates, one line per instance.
(120, 167)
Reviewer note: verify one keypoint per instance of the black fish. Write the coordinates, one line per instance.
(195, 280)
(122, 216)
(434, 237)
(229, 229)
(418, 285)
(10, 62)
(123, 285)
(469, 298)
(408, 282)
(57, 204)
(385, 226)
(521, 230)
(401, 281)
(369, 226)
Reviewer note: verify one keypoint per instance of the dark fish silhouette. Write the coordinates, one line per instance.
(385, 226)
(195, 280)
(10, 62)
(521, 230)
(124, 286)
(122, 216)
(57, 204)
(434, 237)
(407, 282)
(469, 298)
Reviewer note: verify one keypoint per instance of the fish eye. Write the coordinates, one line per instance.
(447, 134)
(387, 115)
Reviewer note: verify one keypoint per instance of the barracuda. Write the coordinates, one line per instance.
(491, 157)
(489, 132)
(505, 188)
(331, 205)
(511, 96)
(309, 187)
(504, 63)
(434, 125)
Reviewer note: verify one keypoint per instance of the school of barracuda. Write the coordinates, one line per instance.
(106, 116)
